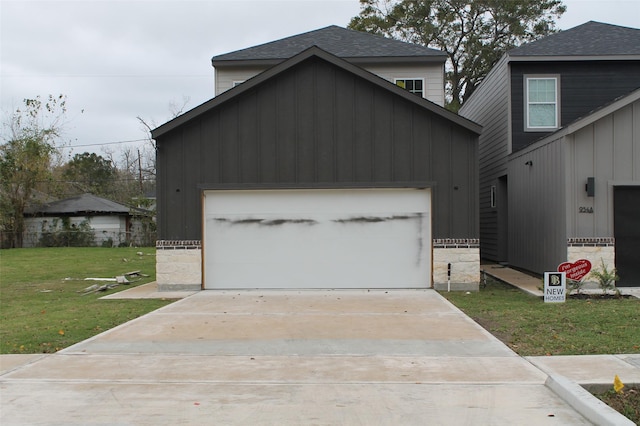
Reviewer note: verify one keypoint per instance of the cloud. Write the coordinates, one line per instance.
(120, 59)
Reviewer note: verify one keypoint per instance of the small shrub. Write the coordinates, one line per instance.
(67, 234)
(575, 286)
(606, 278)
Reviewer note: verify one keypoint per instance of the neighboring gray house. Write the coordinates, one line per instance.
(559, 151)
(111, 223)
(317, 173)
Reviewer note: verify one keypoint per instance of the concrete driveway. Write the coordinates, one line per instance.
(396, 357)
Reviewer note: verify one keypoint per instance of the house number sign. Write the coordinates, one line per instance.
(585, 210)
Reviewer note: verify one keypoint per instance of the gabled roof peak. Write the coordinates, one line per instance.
(341, 42)
(589, 39)
(308, 54)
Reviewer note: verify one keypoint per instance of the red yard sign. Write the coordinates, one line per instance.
(576, 270)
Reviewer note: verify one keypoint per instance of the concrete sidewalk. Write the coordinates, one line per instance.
(301, 357)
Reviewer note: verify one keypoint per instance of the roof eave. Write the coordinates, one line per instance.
(216, 63)
(424, 59)
(568, 58)
(76, 213)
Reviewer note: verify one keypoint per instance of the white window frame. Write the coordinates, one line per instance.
(527, 103)
(421, 94)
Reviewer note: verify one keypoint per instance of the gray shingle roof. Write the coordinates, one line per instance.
(81, 204)
(341, 42)
(589, 39)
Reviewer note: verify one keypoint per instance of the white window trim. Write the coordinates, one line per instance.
(424, 89)
(556, 79)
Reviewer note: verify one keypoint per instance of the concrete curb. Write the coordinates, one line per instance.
(585, 403)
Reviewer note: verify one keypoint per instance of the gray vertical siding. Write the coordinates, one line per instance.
(317, 125)
(489, 108)
(546, 198)
(537, 226)
(609, 151)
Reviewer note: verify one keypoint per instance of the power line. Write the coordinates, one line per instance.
(104, 143)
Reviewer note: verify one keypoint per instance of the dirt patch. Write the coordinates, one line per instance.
(497, 329)
(598, 296)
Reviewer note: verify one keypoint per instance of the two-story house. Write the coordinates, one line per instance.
(560, 151)
(326, 160)
(416, 68)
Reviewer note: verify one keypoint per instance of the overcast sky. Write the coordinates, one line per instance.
(119, 59)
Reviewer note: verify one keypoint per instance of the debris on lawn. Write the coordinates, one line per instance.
(125, 279)
(96, 288)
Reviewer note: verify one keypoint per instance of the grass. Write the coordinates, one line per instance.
(626, 403)
(41, 312)
(533, 328)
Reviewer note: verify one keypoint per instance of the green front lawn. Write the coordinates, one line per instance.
(531, 327)
(41, 311)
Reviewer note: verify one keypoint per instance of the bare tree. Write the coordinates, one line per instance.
(26, 160)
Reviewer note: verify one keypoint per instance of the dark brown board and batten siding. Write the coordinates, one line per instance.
(318, 125)
(584, 87)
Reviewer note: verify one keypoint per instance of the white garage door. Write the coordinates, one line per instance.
(355, 238)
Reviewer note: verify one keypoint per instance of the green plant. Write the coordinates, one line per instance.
(575, 286)
(533, 328)
(606, 278)
(626, 403)
(67, 234)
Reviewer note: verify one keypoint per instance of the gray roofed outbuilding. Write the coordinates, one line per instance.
(589, 39)
(81, 204)
(341, 42)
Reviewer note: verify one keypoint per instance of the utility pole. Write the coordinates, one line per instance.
(140, 172)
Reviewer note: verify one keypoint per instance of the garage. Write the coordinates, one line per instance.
(317, 174)
(317, 238)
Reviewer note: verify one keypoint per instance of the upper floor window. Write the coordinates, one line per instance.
(541, 102)
(413, 85)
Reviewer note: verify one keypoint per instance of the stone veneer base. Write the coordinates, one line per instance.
(179, 264)
(595, 250)
(464, 257)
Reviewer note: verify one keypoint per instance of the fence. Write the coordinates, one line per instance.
(81, 238)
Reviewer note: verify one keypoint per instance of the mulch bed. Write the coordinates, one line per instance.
(598, 296)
